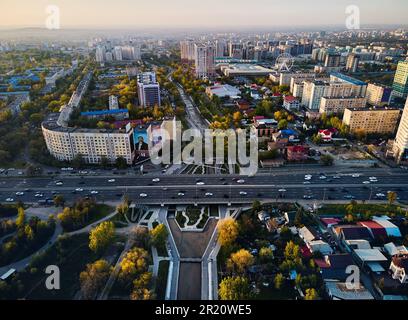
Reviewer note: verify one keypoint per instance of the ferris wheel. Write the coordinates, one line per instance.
(284, 62)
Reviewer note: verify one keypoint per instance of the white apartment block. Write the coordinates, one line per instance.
(401, 141)
(338, 105)
(93, 145)
(314, 91)
(378, 95)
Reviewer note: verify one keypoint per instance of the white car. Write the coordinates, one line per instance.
(19, 193)
(373, 178)
(380, 195)
(366, 182)
(200, 183)
(241, 181)
(79, 189)
(356, 175)
(181, 194)
(208, 194)
(111, 180)
(307, 182)
(9, 200)
(243, 193)
(39, 195)
(59, 183)
(282, 190)
(94, 192)
(323, 177)
(156, 180)
(143, 195)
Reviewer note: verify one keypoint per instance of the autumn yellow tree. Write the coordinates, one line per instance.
(235, 288)
(311, 294)
(227, 231)
(134, 263)
(240, 261)
(94, 278)
(101, 236)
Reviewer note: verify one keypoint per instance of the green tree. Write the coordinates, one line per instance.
(78, 162)
(327, 160)
(256, 206)
(121, 163)
(283, 124)
(266, 254)
(235, 288)
(59, 200)
(101, 236)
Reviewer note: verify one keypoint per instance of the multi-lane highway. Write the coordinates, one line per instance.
(369, 185)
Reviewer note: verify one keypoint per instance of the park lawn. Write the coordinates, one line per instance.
(101, 211)
(371, 209)
(24, 250)
(161, 282)
(7, 211)
(97, 213)
(76, 256)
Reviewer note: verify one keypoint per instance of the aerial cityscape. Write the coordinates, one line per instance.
(203, 152)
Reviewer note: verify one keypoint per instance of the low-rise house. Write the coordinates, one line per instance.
(330, 222)
(319, 246)
(399, 268)
(392, 250)
(297, 153)
(371, 258)
(337, 290)
(223, 91)
(377, 231)
(358, 244)
(391, 229)
(335, 266)
(352, 232)
(327, 134)
(291, 103)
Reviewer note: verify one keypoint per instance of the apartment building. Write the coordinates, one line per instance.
(400, 86)
(338, 105)
(148, 89)
(378, 95)
(65, 143)
(314, 91)
(187, 50)
(372, 120)
(400, 148)
(204, 61)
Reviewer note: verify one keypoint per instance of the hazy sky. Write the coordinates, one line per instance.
(200, 13)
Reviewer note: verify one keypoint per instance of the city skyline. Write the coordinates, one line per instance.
(125, 13)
